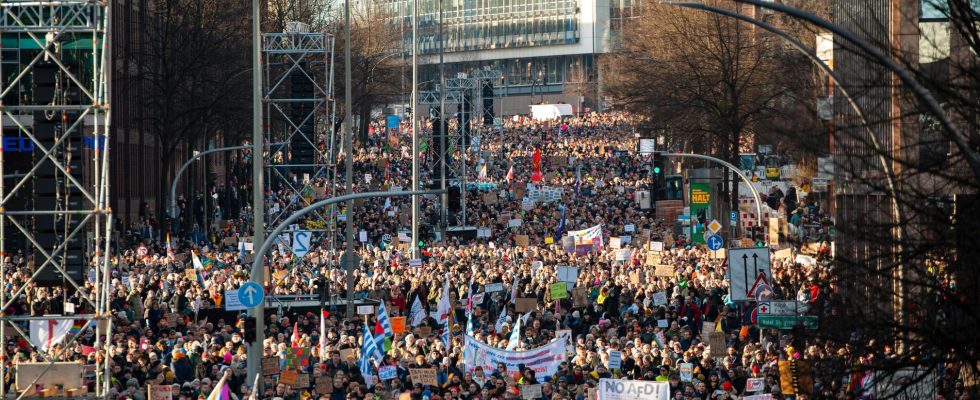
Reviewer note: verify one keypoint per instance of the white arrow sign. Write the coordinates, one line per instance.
(744, 267)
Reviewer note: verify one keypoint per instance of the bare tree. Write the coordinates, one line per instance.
(193, 63)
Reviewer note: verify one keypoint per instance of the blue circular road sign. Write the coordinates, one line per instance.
(251, 294)
(714, 242)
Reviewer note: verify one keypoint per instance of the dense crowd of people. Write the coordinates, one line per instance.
(676, 325)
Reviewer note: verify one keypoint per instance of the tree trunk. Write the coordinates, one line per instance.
(362, 131)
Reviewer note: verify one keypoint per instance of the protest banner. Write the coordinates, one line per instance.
(622, 389)
(758, 397)
(544, 360)
(424, 376)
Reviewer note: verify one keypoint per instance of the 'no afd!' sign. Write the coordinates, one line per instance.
(622, 389)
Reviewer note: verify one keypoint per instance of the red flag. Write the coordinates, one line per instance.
(510, 174)
(295, 338)
(378, 329)
(536, 166)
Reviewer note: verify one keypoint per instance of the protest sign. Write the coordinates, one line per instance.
(159, 392)
(493, 287)
(398, 324)
(622, 389)
(664, 270)
(287, 377)
(580, 297)
(297, 357)
(324, 385)
(387, 372)
(686, 371)
(657, 247)
(615, 359)
(758, 397)
(424, 376)
(614, 243)
(559, 291)
(753, 385)
(270, 365)
(525, 304)
(716, 342)
(660, 298)
(544, 360)
(530, 392)
(567, 274)
(522, 240)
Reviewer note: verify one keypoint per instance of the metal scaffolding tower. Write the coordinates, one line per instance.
(300, 111)
(58, 207)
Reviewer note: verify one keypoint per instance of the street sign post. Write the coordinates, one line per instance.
(251, 294)
(779, 307)
(714, 226)
(786, 322)
(745, 266)
(714, 242)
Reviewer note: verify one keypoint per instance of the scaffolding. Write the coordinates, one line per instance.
(465, 92)
(300, 113)
(58, 208)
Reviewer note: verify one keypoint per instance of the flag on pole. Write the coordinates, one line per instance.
(241, 251)
(170, 249)
(418, 313)
(515, 336)
(513, 291)
(442, 312)
(369, 348)
(384, 320)
(446, 335)
(483, 172)
(197, 261)
(294, 341)
(221, 391)
(561, 226)
(510, 174)
(501, 321)
(323, 333)
(536, 166)
(47, 333)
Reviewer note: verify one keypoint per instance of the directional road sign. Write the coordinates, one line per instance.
(301, 243)
(787, 322)
(779, 307)
(250, 294)
(714, 242)
(745, 265)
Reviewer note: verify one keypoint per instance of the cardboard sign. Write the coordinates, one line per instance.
(525, 304)
(531, 392)
(493, 287)
(424, 376)
(398, 324)
(287, 377)
(580, 297)
(348, 354)
(686, 371)
(664, 270)
(159, 392)
(302, 381)
(784, 254)
(324, 385)
(191, 274)
(716, 342)
(657, 246)
(653, 259)
(522, 240)
(636, 278)
(270, 365)
(559, 291)
(490, 199)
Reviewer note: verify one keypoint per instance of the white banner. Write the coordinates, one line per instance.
(543, 360)
(622, 389)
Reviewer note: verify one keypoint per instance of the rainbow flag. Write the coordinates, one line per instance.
(76, 328)
(170, 249)
(221, 391)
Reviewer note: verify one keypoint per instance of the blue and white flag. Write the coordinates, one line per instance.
(501, 321)
(515, 336)
(418, 313)
(369, 348)
(384, 320)
(561, 226)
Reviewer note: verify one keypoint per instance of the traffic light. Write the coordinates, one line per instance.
(658, 165)
(250, 328)
(455, 196)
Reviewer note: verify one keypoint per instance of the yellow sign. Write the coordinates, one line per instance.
(699, 196)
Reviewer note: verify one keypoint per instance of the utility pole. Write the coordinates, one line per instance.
(443, 127)
(415, 132)
(255, 349)
(349, 148)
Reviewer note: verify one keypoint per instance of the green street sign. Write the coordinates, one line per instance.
(787, 322)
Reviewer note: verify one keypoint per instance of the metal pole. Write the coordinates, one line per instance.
(443, 127)
(755, 193)
(415, 131)
(907, 79)
(255, 349)
(349, 148)
(173, 184)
